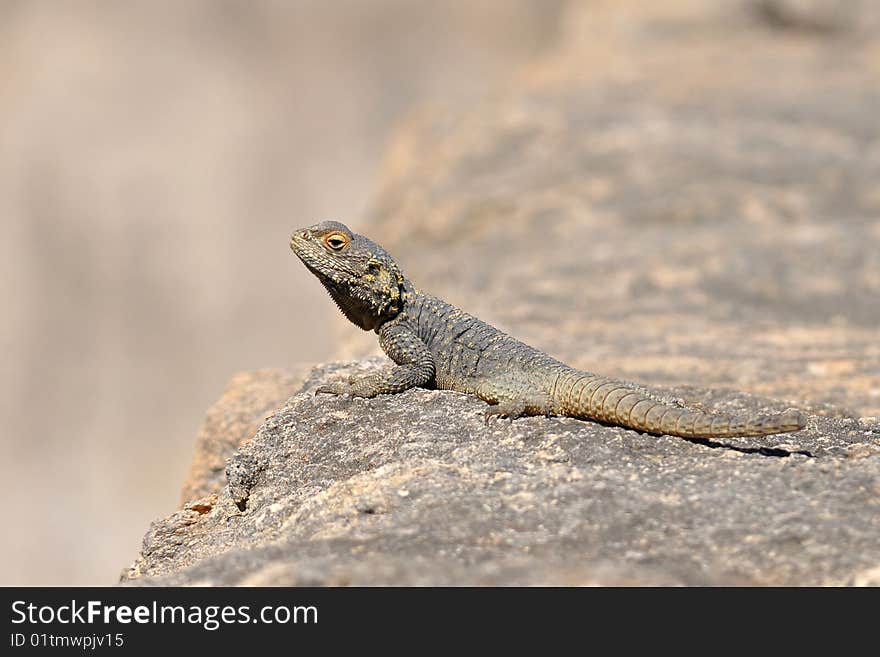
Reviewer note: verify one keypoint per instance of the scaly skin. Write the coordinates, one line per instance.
(434, 344)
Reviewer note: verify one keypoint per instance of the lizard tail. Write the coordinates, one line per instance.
(592, 397)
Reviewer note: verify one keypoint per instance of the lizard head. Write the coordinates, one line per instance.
(364, 281)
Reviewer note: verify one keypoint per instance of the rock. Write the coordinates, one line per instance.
(249, 398)
(416, 489)
(870, 577)
(820, 16)
(702, 219)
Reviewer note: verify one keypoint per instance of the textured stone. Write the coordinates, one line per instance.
(249, 398)
(416, 489)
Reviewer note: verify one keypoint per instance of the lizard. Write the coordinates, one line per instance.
(434, 344)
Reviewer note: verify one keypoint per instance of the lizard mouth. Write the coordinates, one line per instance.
(303, 249)
(297, 240)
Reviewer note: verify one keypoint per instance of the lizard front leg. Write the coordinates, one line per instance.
(415, 365)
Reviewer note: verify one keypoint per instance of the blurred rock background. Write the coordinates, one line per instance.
(154, 157)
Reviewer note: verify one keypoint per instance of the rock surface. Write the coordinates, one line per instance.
(703, 217)
(823, 16)
(248, 400)
(416, 489)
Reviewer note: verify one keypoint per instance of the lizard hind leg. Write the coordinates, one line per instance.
(506, 404)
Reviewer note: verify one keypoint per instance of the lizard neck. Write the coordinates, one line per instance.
(410, 292)
(408, 295)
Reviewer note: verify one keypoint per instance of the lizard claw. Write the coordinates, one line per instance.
(507, 410)
(496, 411)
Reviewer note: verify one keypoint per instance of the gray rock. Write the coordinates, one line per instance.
(248, 400)
(820, 16)
(416, 489)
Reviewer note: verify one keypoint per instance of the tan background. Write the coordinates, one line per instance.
(154, 156)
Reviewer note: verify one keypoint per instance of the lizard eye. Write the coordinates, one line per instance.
(336, 241)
